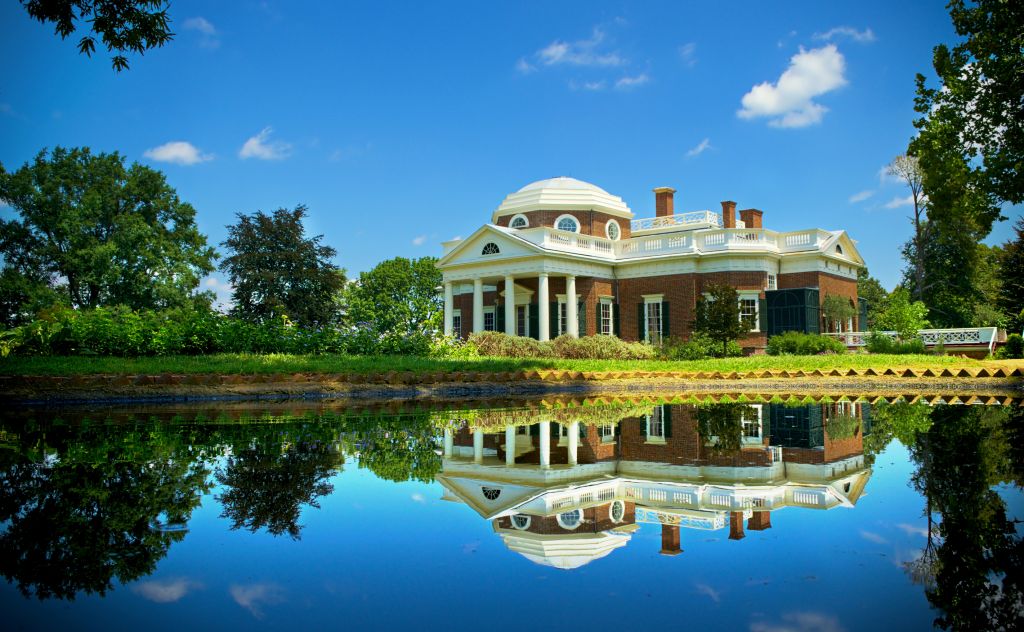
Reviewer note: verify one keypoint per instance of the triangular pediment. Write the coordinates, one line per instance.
(847, 248)
(488, 498)
(471, 249)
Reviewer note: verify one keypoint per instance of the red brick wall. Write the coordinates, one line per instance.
(591, 222)
(595, 520)
(685, 446)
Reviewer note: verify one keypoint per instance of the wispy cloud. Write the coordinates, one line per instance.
(864, 37)
(789, 102)
(701, 147)
(592, 86)
(253, 597)
(628, 83)
(688, 53)
(418, 498)
(860, 197)
(910, 529)
(800, 622)
(871, 536)
(165, 591)
(587, 52)
(177, 152)
(897, 202)
(419, 240)
(260, 146)
(709, 592)
(206, 30)
(221, 288)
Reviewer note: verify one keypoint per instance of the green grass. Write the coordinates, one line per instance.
(228, 363)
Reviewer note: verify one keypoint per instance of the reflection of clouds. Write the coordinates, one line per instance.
(871, 536)
(704, 589)
(167, 591)
(799, 622)
(419, 498)
(910, 529)
(253, 596)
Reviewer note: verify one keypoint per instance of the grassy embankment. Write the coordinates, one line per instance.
(241, 364)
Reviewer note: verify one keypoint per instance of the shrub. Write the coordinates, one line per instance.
(493, 343)
(1014, 347)
(452, 348)
(600, 348)
(698, 347)
(880, 343)
(798, 343)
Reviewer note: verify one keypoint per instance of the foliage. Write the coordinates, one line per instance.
(396, 448)
(879, 343)
(497, 344)
(1010, 298)
(452, 347)
(837, 308)
(276, 270)
(718, 316)
(988, 282)
(698, 347)
(1014, 347)
(900, 315)
(908, 169)
(99, 233)
(870, 289)
(398, 295)
(842, 427)
(133, 26)
(798, 343)
(724, 423)
(897, 420)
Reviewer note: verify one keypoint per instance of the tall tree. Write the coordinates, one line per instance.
(718, 316)
(124, 26)
(398, 295)
(1011, 276)
(101, 232)
(908, 170)
(870, 289)
(277, 270)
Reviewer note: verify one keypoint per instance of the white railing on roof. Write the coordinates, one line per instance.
(680, 220)
(965, 336)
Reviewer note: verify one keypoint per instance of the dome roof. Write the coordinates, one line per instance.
(565, 551)
(562, 194)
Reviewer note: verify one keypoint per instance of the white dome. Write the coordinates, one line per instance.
(562, 194)
(565, 551)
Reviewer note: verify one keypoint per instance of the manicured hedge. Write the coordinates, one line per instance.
(798, 343)
(493, 343)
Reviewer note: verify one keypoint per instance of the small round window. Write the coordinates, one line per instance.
(520, 521)
(611, 229)
(570, 519)
(490, 493)
(519, 221)
(490, 248)
(618, 511)
(568, 223)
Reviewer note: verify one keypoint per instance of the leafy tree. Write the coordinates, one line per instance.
(398, 296)
(276, 270)
(124, 26)
(98, 232)
(718, 316)
(870, 289)
(396, 449)
(837, 308)
(725, 423)
(908, 169)
(988, 283)
(1011, 276)
(902, 316)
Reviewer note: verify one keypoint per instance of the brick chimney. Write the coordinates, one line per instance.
(728, 214)
(751, 217)
(670, 539)
(736, 526)
(760, 520)
(664, 204)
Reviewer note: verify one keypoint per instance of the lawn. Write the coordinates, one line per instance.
(242, 364)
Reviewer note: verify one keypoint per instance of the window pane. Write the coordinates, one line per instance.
(654, 323)
(567, 223)
(606, 319)
(488, 321)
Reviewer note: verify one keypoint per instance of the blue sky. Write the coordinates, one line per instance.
(404, 124)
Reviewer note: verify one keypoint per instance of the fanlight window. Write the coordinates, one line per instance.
(839, 249)
(520, 521)
(490, 493)
(519, 221)
(568, 223)
(490, 248)
(570, 519)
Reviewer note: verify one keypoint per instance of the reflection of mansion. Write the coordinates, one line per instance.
(638, 279)
(564, 493)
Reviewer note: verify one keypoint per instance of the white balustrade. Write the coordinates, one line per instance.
(682, 219)
(930, 337)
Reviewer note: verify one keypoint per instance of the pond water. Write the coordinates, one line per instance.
(837, 515)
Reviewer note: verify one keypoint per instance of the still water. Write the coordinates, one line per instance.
(613, 515)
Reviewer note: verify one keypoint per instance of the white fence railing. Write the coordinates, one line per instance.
(966, 336)
(682, 219)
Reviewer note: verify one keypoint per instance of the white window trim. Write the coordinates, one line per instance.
(607, 231)
(571, 527)
(457, 313)
(772, 282)
(754, 295)
(489, 309)
(759, 439)
(611, 511)
(651, 299)
(560, 300)
(607, 438)
(647, 420)
(610, 302)
(517, 216)
(526, 318)
(569, 216)
(512, 519)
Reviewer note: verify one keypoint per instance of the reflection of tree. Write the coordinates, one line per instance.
(397, 449)
(899, 420)
(975, 573)
(725, 422)
(267, 484)
(81, 518)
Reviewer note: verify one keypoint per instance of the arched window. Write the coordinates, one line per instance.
(490, 493)
(611, 229)
(490, 248)
(567, 223)
(570, 519)
(519, 221)
(839, 249)
(521, 521)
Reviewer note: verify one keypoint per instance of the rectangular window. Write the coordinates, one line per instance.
(607, 433)
(656, 424)
(523, 320)
(749, 308)
(772, 282)
(562, 318)
(457, 323)
(652, 310)
(488, 319)
(605, 307)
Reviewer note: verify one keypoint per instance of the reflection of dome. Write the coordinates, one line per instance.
(562, 194)
(562, 550)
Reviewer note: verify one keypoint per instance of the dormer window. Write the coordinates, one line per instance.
(839, 249)
(519, 221)
(490, 248)
(568, 223)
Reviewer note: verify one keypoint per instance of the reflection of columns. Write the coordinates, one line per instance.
(760, 520)
(449, 308)
(543, 306)
(736, 526)
(510, 445)
(545, 444)
(478, 305)
(574, 442)
(478, 446)
(670, 539)
(510, 306)
(572, 324)
(448, 442)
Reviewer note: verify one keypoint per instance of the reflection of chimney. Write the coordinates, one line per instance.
(751, 217)
(670, 539)
(664, 205)
(736, 526)
(760, 521)
(728, 214)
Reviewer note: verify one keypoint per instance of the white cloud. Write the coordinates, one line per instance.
(418, 498)
(628, 83)
(580, 53)
(688, 53)
(708, 591)
(897, 202)
(800, 622)
(524, 66)
(222, 289)
(178, 152)
(203, 26)
(910, 529)
(253, 596)
(165, 591)
(419, 240)
(260, 146)
(701, 147)
(592, 86)
(789, 101)
(864, 37)
(860, 197)
(871, 536)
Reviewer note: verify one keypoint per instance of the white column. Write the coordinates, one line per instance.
(510, 445)
(449, 308)
(448, 442)
(544, 326)
(572, 324)
(478, 446)
(574, 442)
(478, 305)
(545, 444)
(510, 306)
